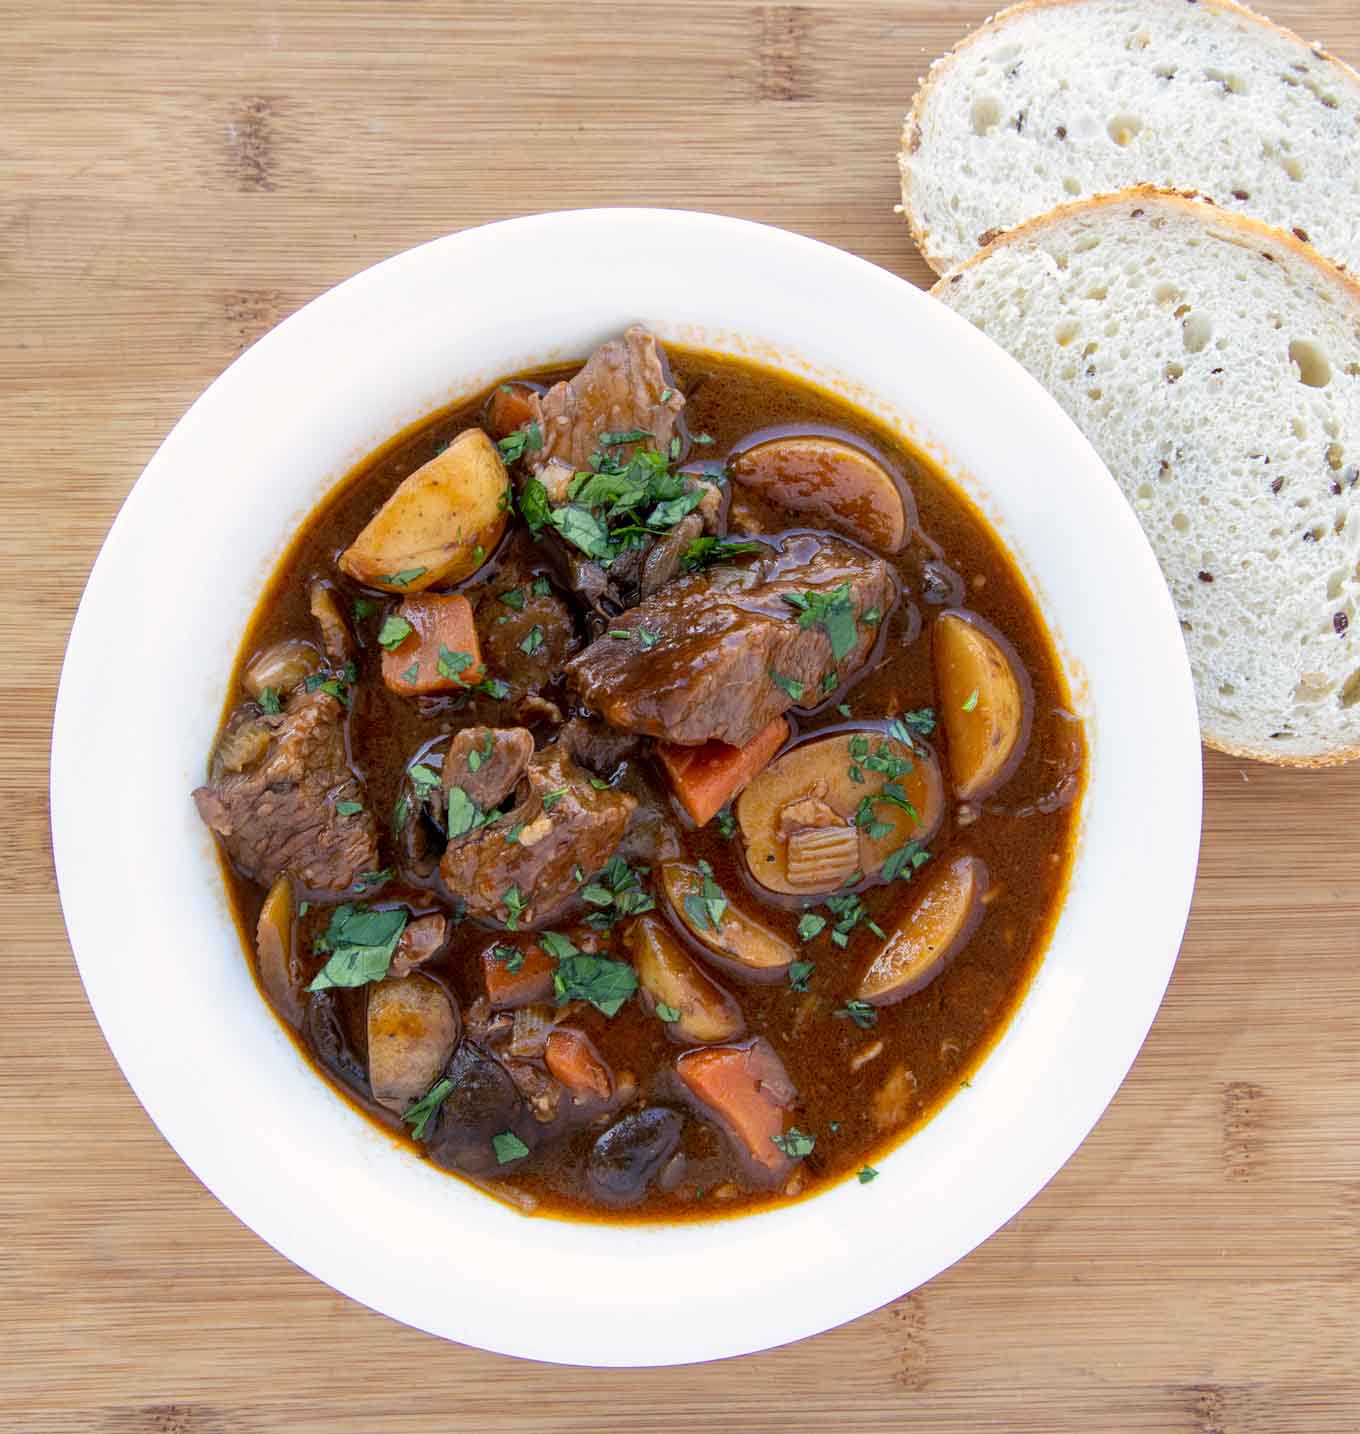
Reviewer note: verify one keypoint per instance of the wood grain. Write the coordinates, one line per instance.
(177, 177)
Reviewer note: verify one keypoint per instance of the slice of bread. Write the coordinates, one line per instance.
(1214, 364)
(1055, 100)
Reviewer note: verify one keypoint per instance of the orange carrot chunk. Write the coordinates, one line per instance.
(747, 1088)
(512, 982)
(439, 653)
(509, 408)
(704, 779)
(573, 1060)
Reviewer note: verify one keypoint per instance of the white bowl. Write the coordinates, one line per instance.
(144, 682)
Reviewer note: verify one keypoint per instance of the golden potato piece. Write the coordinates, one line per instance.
(934, 931)
(412, 1030)
(830, 484)
(440, 524)
(802, 815)
(671, 978)
(982, 705)
(741, 944)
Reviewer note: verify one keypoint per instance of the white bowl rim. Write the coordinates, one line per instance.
(779, 1276)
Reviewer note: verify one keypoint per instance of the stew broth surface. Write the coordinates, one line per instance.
(860, 1089)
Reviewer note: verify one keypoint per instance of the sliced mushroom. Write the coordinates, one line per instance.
(671, 978)
(947, 911)
(412, 1030)
(627, 1158)
(833, 806)
(335, 637)
(281, 667)
(742, 944)
(984, 708)
(749, 1093)
(276, 951)
(832, 484)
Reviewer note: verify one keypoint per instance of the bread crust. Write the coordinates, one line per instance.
(1203, 210)
(940, 68)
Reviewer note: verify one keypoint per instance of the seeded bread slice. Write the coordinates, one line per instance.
(1055, 100)
(1214, 364)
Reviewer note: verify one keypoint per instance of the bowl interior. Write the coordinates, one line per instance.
(145, 678)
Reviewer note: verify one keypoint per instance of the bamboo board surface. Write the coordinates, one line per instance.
(176, 178)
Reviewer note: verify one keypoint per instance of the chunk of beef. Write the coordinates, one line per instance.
(283, 812)
(519, 867)
(623, 386)
(484, 1102)
(527, 640)
(598, 748)
(418, 941)
(488, 762)
(664, 557)
(725, 654)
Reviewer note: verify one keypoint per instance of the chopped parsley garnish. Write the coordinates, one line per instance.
(905, 861)
(666, 1013)
(922, 720)
(833, 612)
(375, 878)
(621, 634)
(348, 809)
(860, 1012)
(616, 891)
(886, 762)
(866, 1174)
(703, 440)
(360, 942)
(849, 911)
(405, 578)
(844, 709)
(895, 793)
(495, 688)
(512, 836)
(799, 972)
(647, 637)
(604, 983)
(703, 552)
(321, 682)
(557, 946)
(810, 925)
(269, 701)
(551, 799)
(424, 779)
(582, 529)
(542, 587)
(871, 616)
(531, 641)
(419, 1116)
(511, 957)
(795, 1143)
(400, 812)
(727, 823)
(512, 597)
(394, 631)
(514, 904)
(864, 819)
(452, 664)
(615, 440)
(514, 446)
(411, 674)
(707, 906)
(534, 505)
(790, 686)
(463, 813)
(970, 701)
(508, 1146)
(668, 513)
(364, 607)
(830, 682)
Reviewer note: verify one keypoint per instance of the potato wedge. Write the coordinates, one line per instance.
(412, 1030)
(798, 815)
(439, 525)
(947, 911)
(740, 943)
(748, 1091)
(668, 975)
(276, 951)
(831, 484)
(984, 709)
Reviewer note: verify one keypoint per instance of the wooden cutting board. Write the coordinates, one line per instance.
(177, 177)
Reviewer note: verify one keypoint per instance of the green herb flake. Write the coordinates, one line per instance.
(513, 598)
(666, 1013)
(463, 814)
(844, 709)
(514, 904)
(860, 1012)
(419, 1116)
(534, 506)
(542, 587)
(399, 814)
(360, 942)
(704, 552)
(364, 608)
(727, 823)
(511, 957)
(269, 701)
(599, 784)
(375, 878)
(479, 755)
(871, 616)
(790, 686)
(531, 641)
(647, 637)
(393, 632)
(508, 1147)
(866, 1174)
(551, 799)
(604, 983)
(424, 779)
(404, 579)
(970, 701)
(348, 809)
(411, 674)
(494, 688)
(810, 925)
(557, 946)
(617, 440)
(583, 530)
(905, 861)
(833, 612)
(795, 1143)
(799, 974)
(452, 664)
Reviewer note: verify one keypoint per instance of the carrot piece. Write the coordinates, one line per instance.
(706, 778)
(509, 408)
(572, 1059)
(747, 1088)
(530, 982)
(442, 633)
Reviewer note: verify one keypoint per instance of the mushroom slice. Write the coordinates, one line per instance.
(835, 805)
(934, 931)
(704, 1011)
(983, 707)
(742, 944)
(276, 951)
(831, 483)
(280, 667)
(412, 1030)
